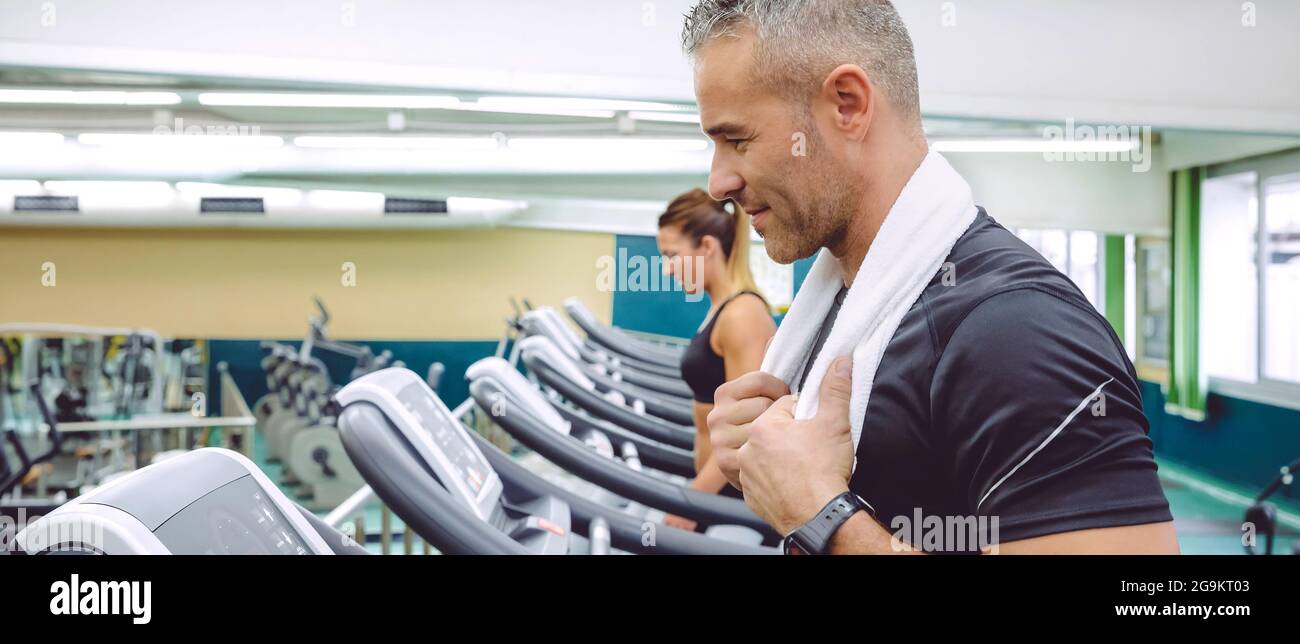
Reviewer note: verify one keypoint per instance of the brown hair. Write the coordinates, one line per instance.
(699, 215)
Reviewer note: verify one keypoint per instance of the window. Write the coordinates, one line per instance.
(1152, 262)
(1073, 252)
(1281, 277)
(1228, 289)
(1250, 278)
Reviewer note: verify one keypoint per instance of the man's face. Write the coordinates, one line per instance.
(769, 155)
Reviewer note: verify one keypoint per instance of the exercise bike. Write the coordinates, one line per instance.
(12, 503)
(1263, 515)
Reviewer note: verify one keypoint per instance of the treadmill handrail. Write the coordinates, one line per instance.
(560, 417)
(628, 532)
(648, 426)
(617, 340)
(656, 403)
(613, 474)
(660, 456)
(668, 385)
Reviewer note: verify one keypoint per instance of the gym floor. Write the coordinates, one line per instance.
(1208, 513)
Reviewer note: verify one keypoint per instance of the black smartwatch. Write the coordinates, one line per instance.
(814, 537)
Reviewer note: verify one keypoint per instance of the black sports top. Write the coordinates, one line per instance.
(1004, 396)
(702, 368)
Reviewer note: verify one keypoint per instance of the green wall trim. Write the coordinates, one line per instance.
(1114, 289)
(1186, 395)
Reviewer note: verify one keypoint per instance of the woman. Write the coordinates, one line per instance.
(707, 249)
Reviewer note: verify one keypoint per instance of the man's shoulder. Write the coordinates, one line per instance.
(987, 263)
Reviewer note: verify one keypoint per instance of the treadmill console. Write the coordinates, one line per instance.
(440, 438)
(207, 501)
(521, 392)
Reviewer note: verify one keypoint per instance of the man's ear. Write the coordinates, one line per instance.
(848, 90)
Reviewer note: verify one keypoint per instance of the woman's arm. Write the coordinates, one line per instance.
(740, 337)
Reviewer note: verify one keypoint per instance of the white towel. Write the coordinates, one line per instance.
(934, 209)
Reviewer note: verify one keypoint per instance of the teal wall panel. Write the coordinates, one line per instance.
(1240, 441)
(244, 357)
(665, 313)
(666, 310)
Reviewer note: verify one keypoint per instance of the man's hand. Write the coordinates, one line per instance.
(736, 405)
(790, 468)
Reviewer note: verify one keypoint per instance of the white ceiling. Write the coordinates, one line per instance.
(1165, 63)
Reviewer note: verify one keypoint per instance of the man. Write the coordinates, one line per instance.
(1004, 396)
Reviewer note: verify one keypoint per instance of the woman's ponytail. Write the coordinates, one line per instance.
(738, 261)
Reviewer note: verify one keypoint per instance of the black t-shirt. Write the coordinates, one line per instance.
(1004, 394)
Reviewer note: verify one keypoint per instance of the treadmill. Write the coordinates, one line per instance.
(666, 405)
(548, 365)
(465, 496)
(619, 342)
(546, 321)
(209, 501)
(520, 408)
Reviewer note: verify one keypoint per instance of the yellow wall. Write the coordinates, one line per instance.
(411, 284)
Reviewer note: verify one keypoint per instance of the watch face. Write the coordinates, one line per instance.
(803, 540)
(791, 547)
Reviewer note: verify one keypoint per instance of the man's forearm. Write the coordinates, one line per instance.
(862, 535)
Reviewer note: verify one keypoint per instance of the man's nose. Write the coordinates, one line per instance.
(723, 180)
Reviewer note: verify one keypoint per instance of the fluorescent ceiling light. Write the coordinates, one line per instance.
(180, 140)
(8, 139)
(668, 117)
(276, 99)
(528, 103)
(115, 193)
(607, 145)
(494, 207)
(200, 189)
(458, 144)
(536, 110)
(20, 186)
(105, 187)
(1043, 146)
(87, 97)
(542, 105)
(346, 199)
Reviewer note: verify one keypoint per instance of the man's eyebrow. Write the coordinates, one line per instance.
(724, 128)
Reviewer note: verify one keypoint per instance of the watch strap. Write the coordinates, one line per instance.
(814, 536)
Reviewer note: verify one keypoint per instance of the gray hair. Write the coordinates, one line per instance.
(800, 41)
